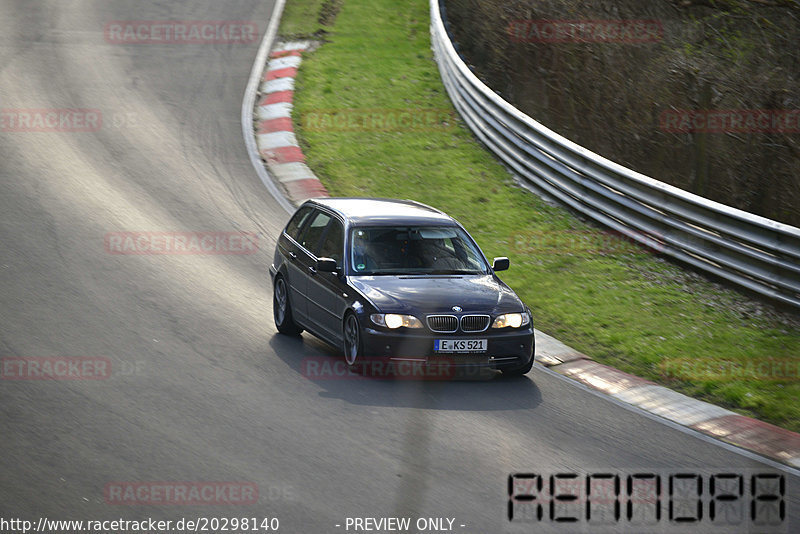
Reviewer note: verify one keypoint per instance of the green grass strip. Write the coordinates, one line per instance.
(374, 120)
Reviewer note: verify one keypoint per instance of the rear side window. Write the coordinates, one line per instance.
(314, 230)
(296, 223)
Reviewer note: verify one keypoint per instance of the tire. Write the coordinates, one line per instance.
(282, 309)
(352, 345)
(519, 371)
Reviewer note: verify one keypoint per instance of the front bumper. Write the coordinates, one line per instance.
(506, 350)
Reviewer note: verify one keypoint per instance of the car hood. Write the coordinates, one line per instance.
(437, 294)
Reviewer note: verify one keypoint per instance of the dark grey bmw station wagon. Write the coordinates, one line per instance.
(397, 281)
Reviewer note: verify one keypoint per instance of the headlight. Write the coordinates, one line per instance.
(395, 320)
(513, 320)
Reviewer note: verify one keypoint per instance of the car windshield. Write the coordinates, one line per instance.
(379, 250)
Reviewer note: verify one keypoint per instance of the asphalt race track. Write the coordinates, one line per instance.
(201, 389)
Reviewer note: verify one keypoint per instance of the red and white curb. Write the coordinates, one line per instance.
(275, 137)
(763, 438)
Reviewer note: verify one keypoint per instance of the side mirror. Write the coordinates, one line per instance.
(501, 264)
(327, 265)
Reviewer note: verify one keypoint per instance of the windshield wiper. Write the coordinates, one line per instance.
(444, 271)
(419, 273)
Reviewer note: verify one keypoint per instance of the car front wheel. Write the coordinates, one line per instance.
(352, 340)
(282, 309)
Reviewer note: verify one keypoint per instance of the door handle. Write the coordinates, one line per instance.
(313, 270)
(293, 255)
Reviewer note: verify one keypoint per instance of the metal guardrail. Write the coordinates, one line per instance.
(752, 251)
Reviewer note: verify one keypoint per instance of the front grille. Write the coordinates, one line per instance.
(474, 323)
(443, 323)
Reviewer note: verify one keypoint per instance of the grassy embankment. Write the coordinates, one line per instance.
(620, 304)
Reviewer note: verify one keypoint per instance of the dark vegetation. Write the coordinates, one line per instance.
(612, 97)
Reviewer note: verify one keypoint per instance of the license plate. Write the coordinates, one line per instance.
(460, 345)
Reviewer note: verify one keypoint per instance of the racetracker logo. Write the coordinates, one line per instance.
(180, 32)
(57, 368)
(378, 120)
(324, 368)
(770, 369)
(51, 120)
(181, 493)
(181, 243)
(585, 242)
(731, 121)
(586, 31)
